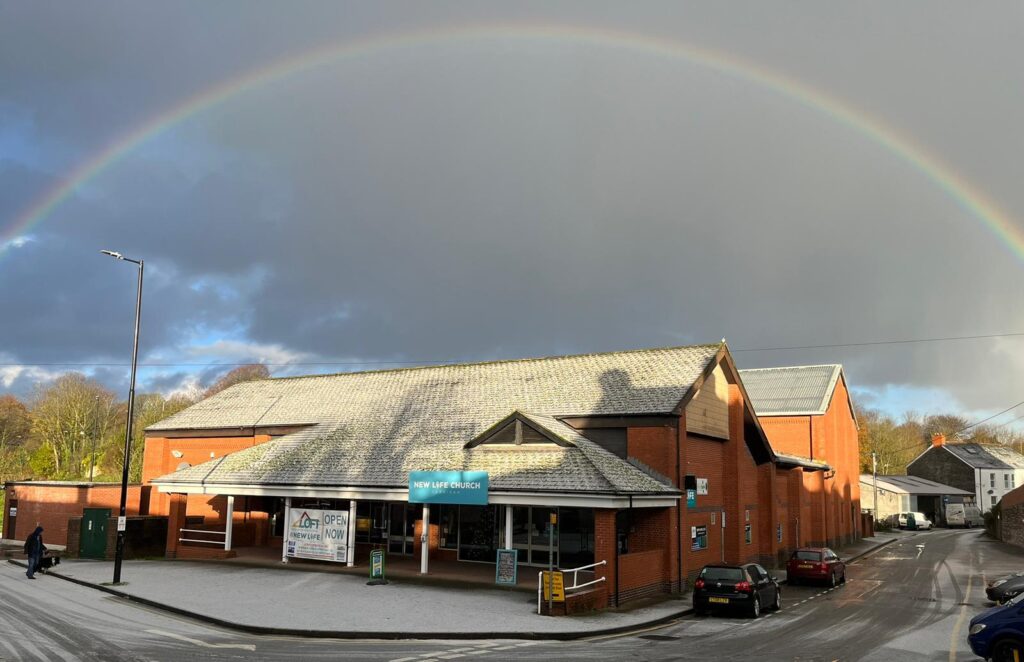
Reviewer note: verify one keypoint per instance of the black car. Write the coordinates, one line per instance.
(748, 588)
(1005, 588)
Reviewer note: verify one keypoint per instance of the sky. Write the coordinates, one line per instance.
(415, 182)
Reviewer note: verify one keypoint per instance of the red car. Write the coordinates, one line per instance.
(817, 564)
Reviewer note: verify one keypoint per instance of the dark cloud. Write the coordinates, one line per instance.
(509, 197)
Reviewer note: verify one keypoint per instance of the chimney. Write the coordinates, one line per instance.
(938, 439)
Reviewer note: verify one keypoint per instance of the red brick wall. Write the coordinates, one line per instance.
(158, 460)
(642, 574)
(51, 506)
(831, 510)
(655, 447)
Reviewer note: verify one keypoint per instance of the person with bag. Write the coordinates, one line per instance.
(34, 549)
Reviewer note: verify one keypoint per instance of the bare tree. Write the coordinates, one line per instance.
(69, 417)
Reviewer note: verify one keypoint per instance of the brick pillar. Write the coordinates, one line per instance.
(796, 502)
(604, 550)
(731, 463)
(767, 515)
(177, 508)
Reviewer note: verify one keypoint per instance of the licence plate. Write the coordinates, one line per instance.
(805, 566)
(723, 601)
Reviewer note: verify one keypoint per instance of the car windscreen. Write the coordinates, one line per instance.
(805, 555)
(722, 574)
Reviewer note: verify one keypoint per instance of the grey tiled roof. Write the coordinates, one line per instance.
(987, 457)
(791, 391)
(372, 428)
(912, 485)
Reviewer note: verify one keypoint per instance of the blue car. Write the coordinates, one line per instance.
(998, 633)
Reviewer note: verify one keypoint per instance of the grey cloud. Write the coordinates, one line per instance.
(510, 198)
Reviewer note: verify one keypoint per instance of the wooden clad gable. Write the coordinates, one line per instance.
(708, 411)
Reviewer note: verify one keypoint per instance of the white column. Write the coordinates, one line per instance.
(287, 518)
(508, 527)
(351, 534)
(230, 523)
(425, 539)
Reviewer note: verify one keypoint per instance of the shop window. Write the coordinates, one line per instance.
(575, 537)
(371, 522)
(478, 533)
(449, 527)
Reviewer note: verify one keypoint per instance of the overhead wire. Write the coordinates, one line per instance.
(87, 364)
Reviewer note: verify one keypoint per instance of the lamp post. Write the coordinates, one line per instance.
(119, 553)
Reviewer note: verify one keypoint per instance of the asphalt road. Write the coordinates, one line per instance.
(908, 602)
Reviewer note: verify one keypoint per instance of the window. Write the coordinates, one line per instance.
(992, 480)
(1006, 480)
(778, 533)
(449, 527)
(993, 499)
(746, 532)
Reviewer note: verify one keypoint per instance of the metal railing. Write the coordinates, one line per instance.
(222, 543)
(575, 578)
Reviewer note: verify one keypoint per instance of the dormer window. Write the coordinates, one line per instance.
(517, 429)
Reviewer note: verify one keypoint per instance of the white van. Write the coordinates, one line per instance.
(965, 515)
(921, 523)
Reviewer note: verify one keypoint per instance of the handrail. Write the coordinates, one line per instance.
(218, 533)
(222, 543)
(575, 578)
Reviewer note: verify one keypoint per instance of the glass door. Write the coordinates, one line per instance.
(401, 528)
(540, 526)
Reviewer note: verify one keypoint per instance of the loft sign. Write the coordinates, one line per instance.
(317, 534)
(467, 488)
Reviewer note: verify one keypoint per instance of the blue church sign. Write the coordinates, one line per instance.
(467, 488)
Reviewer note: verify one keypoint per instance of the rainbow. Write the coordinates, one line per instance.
(956, 187)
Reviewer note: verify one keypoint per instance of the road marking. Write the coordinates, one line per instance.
(955, 636)
(404, 659)
(197, 642)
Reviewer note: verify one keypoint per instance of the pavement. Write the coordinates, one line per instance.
(267, 600)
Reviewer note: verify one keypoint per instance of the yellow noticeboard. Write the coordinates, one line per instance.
(559, 586)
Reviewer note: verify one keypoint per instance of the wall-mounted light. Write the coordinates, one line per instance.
(177, 453)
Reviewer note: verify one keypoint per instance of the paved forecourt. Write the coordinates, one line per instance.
(338, 603)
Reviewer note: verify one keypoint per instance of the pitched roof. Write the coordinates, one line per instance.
(987, 457)
(912, 485)
(372, 428)
(791, 391)
(650, 381)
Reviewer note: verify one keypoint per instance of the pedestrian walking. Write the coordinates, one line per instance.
(34, 549)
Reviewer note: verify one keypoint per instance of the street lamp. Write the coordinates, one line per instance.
(121, 522)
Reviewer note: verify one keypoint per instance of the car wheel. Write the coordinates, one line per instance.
(755, 609)
(777, 605)
(1007, 650)
(842, 579)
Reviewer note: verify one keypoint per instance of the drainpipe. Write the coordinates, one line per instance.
(616, 527)
(679, 504)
